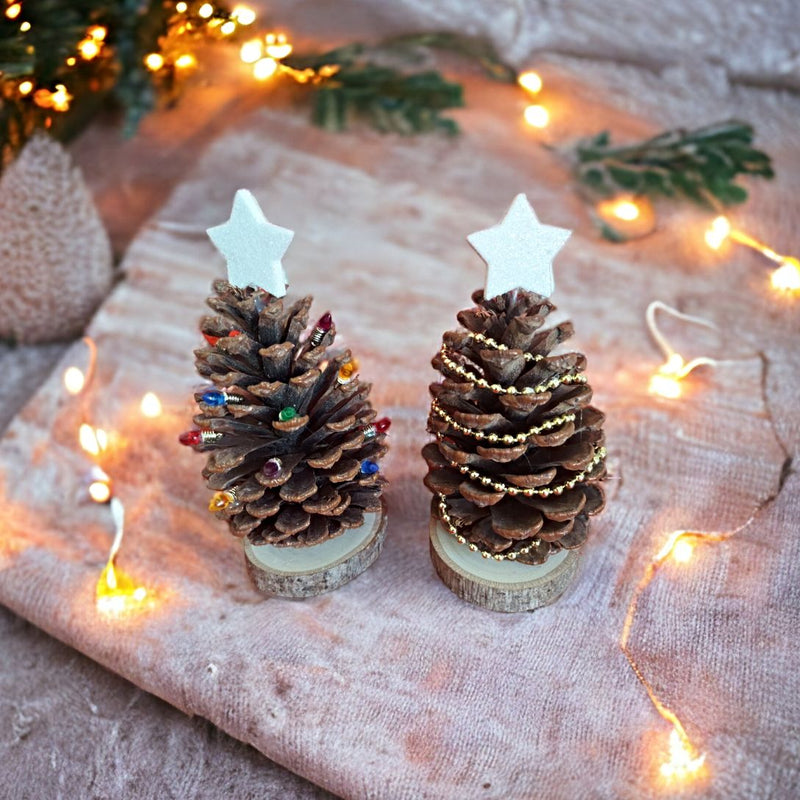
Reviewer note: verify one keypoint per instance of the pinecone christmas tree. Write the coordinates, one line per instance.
(292, 441)
(519, 451)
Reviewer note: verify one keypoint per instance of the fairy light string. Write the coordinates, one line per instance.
(666, 380)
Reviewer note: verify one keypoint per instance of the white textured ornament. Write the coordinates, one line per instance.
(253, 247)
(519, 251)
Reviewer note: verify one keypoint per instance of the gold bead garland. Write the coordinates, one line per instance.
(452, 529)
(494, 345)
(553, 383)
(498, 486)
(505, 438)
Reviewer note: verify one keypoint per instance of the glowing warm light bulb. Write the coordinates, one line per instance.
(99, 491)
(718, 232)
(24, 27)
(251, 51)
(666, 382)
(97, 32)
(227, 28)
(185, 61)
(787, 277)
(154, 61)
(537, 116)
(116, 593)
(683, 762)
(277, 46)
(60, 98)
(26, 87)
(205, 10)
(92, 440)
(88, 49)
(71, 61)
(682, 551)
(181, 7)
(12, 12)
(264, 68)
(530, 81)
(74, 380)
(626, 210)
(151, 405)
(244, 15)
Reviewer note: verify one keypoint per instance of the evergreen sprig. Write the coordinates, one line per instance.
(391, 98)
(701, 165)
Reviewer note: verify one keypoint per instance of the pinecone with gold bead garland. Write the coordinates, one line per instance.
(292, 440)
(519, 453)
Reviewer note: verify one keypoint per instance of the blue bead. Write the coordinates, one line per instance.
(213, 398)
(369, 467)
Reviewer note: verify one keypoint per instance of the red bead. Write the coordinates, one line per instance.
(190, 438)
(212, 340)
(382, 425)
(234, 332)
(325, 322)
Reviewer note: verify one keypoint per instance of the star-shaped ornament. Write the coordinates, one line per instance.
(252, 246)
(519, 251)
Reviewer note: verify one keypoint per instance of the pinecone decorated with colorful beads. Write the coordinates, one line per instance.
(519, 453)
(292, 441)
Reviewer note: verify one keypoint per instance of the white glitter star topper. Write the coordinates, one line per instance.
(519, 251)
(252, 246)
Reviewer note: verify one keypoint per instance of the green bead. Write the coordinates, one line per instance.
(287, 413)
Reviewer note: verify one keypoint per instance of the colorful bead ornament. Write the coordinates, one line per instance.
(272, 468)
(221, 500)
(375, 428)
(287, 413)
(195, 437)
(347, 371)
(324, 324)
(212, 340)
(369, 467)
(215, 398)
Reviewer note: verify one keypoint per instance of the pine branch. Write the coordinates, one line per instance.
(390, 98)
(701, 165)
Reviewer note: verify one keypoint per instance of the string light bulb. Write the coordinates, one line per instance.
(227, 28)
(61, 98)
(88, 49)
(251, 51)
(530, 81)
(151, 406)
(154, 61)
(74, 380)
(666, 381)
(264, 69)
(25, 88)
(537, 116)
(185, 61)
(205, 11)
(181, 7)
(24, 27)
(13, 11)
(116, 594)
(243, 15)
(277, 46)
(786, 278)
(97, 32)
(93, 440)
(684, 762)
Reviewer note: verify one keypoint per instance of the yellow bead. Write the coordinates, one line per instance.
(347, 370)
(220, 501)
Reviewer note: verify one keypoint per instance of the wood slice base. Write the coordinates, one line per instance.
(309, 571)
(499, 585)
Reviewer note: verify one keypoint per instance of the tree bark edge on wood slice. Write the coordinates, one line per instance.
(481, 581)
(310, 571)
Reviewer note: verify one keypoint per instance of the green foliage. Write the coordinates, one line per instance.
(392, 99)
(701, 165)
